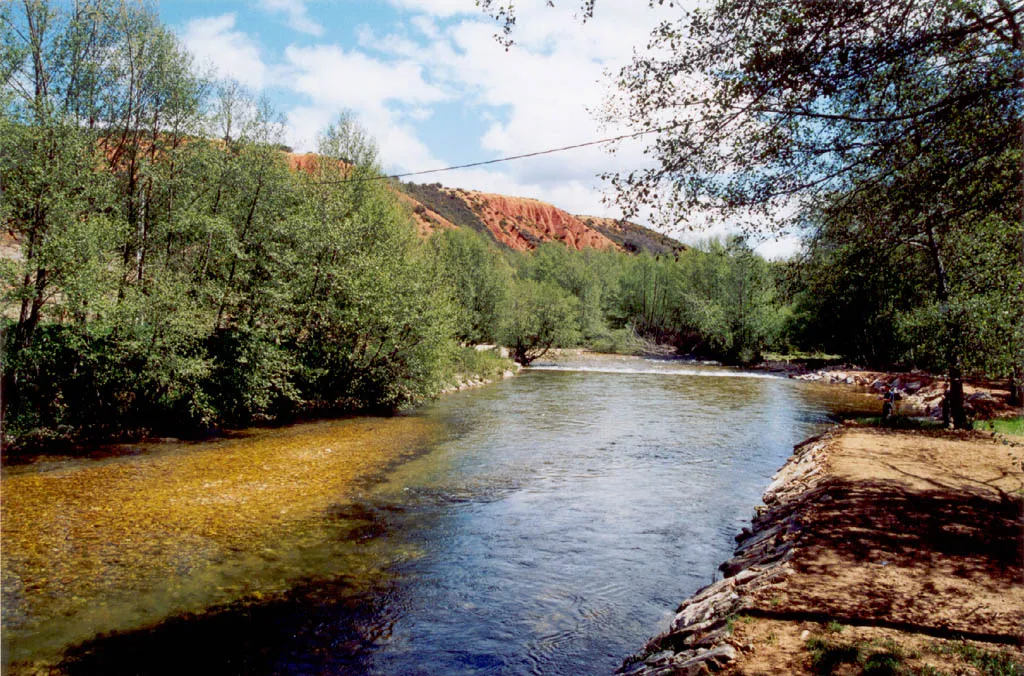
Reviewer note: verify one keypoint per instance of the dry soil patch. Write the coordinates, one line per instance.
(918, 539)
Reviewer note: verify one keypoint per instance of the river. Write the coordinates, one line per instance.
(548, 524)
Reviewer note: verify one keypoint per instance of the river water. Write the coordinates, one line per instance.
(548, 524)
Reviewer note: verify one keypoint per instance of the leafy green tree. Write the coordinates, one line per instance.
(763, 110)
(538, 316)
(479, 277)
(576, 272)
(173, 282)
(648, 290)
(373, 324)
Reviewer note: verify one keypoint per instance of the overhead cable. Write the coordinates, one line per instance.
(549, 151)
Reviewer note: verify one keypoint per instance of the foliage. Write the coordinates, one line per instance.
(177, 274)
(1011, 426)
(537, 316)
(884, 658)
(890, 131)
(174, 283)
(718, 301)
(583, 275)
(480, 278)
(486, 364)
(988, 662)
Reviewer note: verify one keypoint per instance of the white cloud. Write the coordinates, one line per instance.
(384, 95)
(334, 76)
(419, 114)
(427, 26)
(232, 54)
(439, 8)
(295, 15)
(781, 247)
(541, 94)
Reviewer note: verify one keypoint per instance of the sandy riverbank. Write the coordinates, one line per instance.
(874, 547)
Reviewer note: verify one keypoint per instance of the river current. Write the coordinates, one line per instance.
(548, 524)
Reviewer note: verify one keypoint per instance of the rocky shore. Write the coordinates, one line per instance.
(700, 639)
(467, 382)
(920, 394)
(873, 546)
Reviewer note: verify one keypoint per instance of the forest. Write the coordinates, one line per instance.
(177, 272)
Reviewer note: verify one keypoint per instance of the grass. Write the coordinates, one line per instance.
(623, 341)
(486, 364)
(888, 658)
(988, 662)
(797, 355)
(828, 655)
(899, 422)
(1011, 426)
(874, 658)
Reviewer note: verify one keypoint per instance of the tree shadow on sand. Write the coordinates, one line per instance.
(943, 561)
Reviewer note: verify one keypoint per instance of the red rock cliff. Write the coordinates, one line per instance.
(521, 223)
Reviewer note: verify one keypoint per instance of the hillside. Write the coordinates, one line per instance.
(521, 223)
(632, 237)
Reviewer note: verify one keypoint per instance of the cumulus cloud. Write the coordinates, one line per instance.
(388, 97)
(295, 13)
(781, 247)
(215, 43)
(543, 93)
(331, 75)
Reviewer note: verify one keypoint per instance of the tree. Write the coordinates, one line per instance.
(372, 327)
(175, 273)
(849, 111)
(576, 272)
(479, 278)
(766, 110)
(537, 317)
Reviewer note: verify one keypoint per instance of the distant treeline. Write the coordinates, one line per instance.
(176, 274)
(720, 300)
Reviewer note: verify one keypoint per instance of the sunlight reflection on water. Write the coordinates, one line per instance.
(548, 524)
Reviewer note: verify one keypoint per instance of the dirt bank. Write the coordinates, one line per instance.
(874, 547)
(920, 393)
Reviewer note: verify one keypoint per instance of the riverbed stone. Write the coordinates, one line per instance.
(707, 661)
(745, 576)
(699, 637)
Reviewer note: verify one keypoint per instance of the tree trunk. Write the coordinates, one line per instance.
(955, 395)
(1017, 386)
(955, 399)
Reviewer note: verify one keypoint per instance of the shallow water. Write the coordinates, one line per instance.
(548, 524)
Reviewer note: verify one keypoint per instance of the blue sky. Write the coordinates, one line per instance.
(428, 80)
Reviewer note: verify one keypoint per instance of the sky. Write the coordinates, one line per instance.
(433, 86)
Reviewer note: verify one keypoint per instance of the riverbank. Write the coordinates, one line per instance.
(480, 365)
(527, 519)
(474, 366)
(874, 549)
(920, 394)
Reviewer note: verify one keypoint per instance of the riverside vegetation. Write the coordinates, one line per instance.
(174, 272)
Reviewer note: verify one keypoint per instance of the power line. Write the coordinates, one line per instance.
(549, 151)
